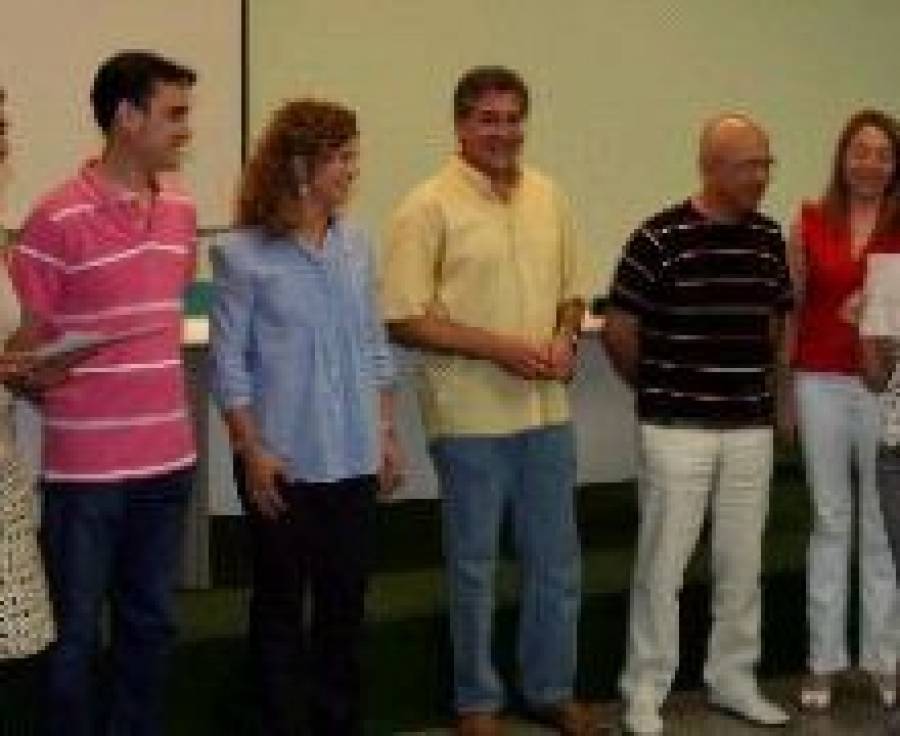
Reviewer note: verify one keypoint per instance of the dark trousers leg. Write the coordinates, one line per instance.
(324, 540)
(81, 528)
(340, 529)
(146, 570)
(276, 613)
(122, 536)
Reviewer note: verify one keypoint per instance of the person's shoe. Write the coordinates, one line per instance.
(641, 717)
(746, 702)
(815, 693)
(478, 724)
(886, 686)
(569, 718)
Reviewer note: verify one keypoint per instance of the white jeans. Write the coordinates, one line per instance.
(839, 424)
(682, 471)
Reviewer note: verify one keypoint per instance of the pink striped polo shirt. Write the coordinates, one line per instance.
(89, 259)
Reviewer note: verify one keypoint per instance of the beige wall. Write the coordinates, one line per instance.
(49, 51)
(619, 86)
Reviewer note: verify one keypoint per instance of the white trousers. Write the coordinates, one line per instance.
(684, 470)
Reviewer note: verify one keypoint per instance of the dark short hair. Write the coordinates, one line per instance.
(481, 79)
(132, 76)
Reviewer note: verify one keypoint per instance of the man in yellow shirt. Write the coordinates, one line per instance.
(483, 272)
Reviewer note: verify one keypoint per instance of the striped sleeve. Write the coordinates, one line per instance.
(784, 289)
(636, 282)
(38, 267)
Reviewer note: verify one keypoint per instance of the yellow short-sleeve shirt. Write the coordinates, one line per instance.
(456, 250)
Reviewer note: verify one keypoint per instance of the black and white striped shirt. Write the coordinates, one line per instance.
(704, 292)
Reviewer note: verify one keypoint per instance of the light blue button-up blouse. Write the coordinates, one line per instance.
(296, 336)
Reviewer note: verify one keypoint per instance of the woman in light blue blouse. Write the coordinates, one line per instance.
(303, 376)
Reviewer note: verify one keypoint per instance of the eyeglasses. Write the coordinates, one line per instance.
(748, 166)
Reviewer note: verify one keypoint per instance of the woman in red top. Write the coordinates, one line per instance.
(838, 417)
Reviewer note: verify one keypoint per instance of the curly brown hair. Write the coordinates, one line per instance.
(299, 135)
(836, 198)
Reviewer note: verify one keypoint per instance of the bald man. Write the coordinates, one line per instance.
(696, 305)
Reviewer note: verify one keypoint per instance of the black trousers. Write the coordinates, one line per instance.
(310, 570)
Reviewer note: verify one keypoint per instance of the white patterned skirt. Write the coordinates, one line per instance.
(26, 618)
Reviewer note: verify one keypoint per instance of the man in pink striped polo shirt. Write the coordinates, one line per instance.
(110, 251)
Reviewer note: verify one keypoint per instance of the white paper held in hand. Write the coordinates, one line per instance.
(881, 300)
(76, 341)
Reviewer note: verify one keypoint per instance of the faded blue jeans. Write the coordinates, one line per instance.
(839, 431)
(121, 539)
(531, 476)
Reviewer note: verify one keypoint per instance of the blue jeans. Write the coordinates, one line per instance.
(122, 538)
(839, 431)
(532, 475)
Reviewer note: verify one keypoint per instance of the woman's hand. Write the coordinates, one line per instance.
(390, 470)
(851, 310)
(263, 474)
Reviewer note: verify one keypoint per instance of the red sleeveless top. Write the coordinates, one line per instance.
(826, 343)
